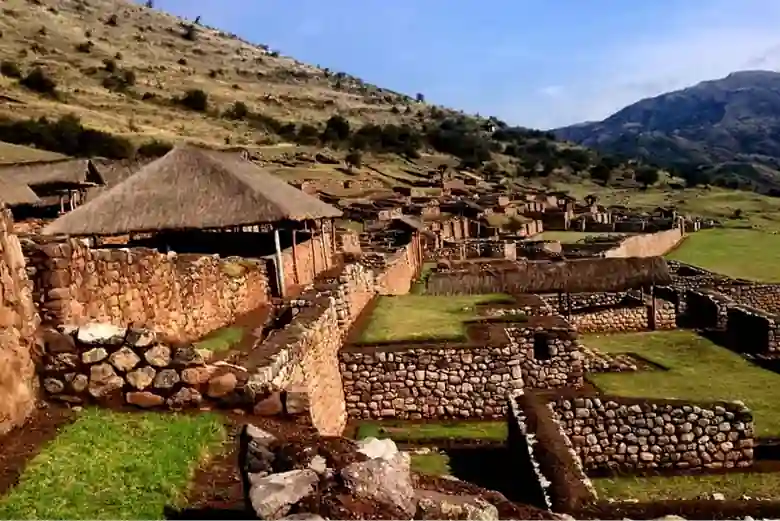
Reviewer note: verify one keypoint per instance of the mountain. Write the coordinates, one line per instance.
(726, 130)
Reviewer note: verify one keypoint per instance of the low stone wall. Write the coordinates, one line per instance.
(761, 296)
(107, 364)
(626, 318)
(182, 297)
(627, 434)
(648, 244)
(457, 382)
(18, 322)
(707, 309)
(753, 331)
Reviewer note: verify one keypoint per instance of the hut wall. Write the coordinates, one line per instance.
(183, 297)
(18, 324)
(647, 245)
(402, 269)
(303, 262)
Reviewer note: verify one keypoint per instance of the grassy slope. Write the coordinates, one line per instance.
(110, 465)
(697, 368)
(421, 317)
(151, 45)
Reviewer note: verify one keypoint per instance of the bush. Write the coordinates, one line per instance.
(354, 159)
(337, 129)
(154, 148)
(85, 47)
(120, 81)
(112, 20)
(190, 33)
(238, 110)
(10, 69)
(182, 61)
(195, 99)
(38, 81)
(66, 136)
(109, 65)
(307, 134)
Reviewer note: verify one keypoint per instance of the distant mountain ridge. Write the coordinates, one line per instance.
(727, 130)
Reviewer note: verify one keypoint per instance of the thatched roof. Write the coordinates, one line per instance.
(593, 275)
(14, 194)
(113, 172)
(192, 188)
(62, 171)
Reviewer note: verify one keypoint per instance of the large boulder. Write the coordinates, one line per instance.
(436, 505)
(273, 496)
(385, 480)
(377, 449)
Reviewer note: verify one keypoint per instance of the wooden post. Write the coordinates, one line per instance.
(652, 308)
(295, 258)
(279, 263)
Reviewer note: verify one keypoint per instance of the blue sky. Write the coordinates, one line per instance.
(537, 63)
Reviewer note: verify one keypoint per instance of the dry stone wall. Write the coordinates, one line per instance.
(762, 296)
(182, 297)
(18, 323)
(622, 434)
(626, 318)
(648, 244)
(753, 331)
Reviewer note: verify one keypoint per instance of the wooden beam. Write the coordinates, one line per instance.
(279, 263)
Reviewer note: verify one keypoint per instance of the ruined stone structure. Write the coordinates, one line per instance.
(18, 322)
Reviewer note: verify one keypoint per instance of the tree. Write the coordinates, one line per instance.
(647, 175)
(195, 99)
(336, 129)
(354, 160)
(38, 81)
(601, 173)
(238, 110)
(591, 199)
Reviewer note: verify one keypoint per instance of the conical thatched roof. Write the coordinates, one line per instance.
(60, 172)
(13, 194)
(192, 188)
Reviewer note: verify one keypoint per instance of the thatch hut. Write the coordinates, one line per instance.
(16, 194)
(190, 191)
(60, 185)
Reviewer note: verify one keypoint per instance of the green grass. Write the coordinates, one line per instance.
(222, 339)
(744, 254)
(434, 464)
(406, 431)
(423, 317)
(418, 287)
(656, 488)
(109, 465)
(699, 370)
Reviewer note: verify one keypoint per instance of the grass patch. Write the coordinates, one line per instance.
(434, 464)
(747, 254)
(699, 370)
(419, 286)
(656, 488)
(411, 431)
(222, 339)
(423, 317)
(109, 465)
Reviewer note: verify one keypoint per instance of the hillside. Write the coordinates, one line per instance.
(730, 127)
(114, 78)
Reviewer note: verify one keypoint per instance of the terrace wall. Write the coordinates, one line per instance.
(18, 323)
(426, 382)
(626, 318)
(183, 297)
(618, 433)
(761, 296)
(647, 245)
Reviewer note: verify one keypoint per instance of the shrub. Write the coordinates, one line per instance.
(112, 20)
(10, 69)
(109, 65)
(195, 99)
(118, 56)
(154, 148)
(307, 134)
(38, 81)
(238, 110)
(120, 81)
(354, 159)
(337, 129)
(85, 47)
(190, 33)
(182, 61)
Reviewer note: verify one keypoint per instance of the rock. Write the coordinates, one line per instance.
(188, 355)
(377, 449)
(124, 359)
(53, 386)
(94, 355)
(141, 378)
(79, 383)
(101, 334)
(270, 406)
(197, 375)
(158, 356)
(318, 464)
(718, 497)
(166, 379)
(185, 397)
(386, 481)
(436, 505)
(140, 337)
(56, 342)
(304, 516)
(296, 401)
(144, 399)
(103, 380)
(272, 496)
(222, 385)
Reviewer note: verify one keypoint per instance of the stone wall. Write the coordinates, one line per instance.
(456, 382)
(18, 323)
(761, 296)
(626, 434)
(182, 297)
(648, 244)
(401, 269)
(753, 331)
(626, 318)
(707, 309)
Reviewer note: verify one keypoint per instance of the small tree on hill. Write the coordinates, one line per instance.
(337, 129)
(354, 160)
(647, 175)
(38, 81)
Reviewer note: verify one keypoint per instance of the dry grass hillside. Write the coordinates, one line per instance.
(84, 44)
